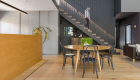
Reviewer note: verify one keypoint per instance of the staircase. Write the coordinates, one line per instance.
(77, 18)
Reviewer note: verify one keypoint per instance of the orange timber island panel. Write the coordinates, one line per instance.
(18, 53)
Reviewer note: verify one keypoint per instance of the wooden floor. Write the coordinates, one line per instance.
(52, 70)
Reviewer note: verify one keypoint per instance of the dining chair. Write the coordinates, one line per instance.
(81, 54)
(65, 56)
(108, 56)
(90, 59)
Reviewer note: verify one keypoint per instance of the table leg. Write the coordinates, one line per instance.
(98, 59)
(77, 60)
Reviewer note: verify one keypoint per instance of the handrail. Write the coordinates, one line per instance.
(92, 15)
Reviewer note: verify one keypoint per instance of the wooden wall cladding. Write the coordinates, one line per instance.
(18, 53)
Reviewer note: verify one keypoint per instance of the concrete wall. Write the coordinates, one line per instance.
(130, 5)
(117, 6)
(12, 22)
(127, 6)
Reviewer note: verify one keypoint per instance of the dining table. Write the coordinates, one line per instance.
(78, 48)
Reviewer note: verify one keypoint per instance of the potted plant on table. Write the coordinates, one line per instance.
(86, 41)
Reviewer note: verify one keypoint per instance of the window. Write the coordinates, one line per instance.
(128, 34)
(68, 31)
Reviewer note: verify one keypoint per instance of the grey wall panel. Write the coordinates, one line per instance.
(14, 22)
(117, 4)
(9, 22)
(24, 24)
(103, 10)
(130, 5)
(5, 21)
(44, 22)
(33, 20)
(52, 41)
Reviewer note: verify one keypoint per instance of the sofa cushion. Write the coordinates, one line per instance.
(132, 45)
(138, 47)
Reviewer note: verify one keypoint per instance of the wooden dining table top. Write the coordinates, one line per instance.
(80, 47)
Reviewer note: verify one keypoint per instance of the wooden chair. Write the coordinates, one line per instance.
(90, 59)
(65, 56)
(108, 56)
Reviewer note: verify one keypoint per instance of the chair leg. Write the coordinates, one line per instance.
(72, 62)
(80, 58)
(83, 70)
(96, 70)
(88, 57)
(93, 67)
(65, 60)
(63, 63)
(112, 63)
(108, 61)
(102, 62)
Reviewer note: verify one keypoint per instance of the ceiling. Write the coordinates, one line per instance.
(29, 5)
(123, 15)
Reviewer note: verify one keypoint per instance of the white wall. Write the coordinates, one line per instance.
(9, 22)
(130, 5)
(15, 23)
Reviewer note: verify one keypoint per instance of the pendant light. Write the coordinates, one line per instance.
(12, 7)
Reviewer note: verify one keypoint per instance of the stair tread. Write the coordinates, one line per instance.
(105, 42)
(81, 25)
(89, 30)
(102, 40)
(65, 12)
(93, 33)
(69, 16)
(73, 19)
(97, 36)
(77, 22)
(60, 9)
(85, 28)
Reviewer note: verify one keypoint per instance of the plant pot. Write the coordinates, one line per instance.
(85, 44)
(38, 32)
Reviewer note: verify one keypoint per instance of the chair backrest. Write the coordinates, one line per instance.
(63, 49)
(93, 53)
(111, 50)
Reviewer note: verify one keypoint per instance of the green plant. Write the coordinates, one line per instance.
(34, 32)
(88, 40)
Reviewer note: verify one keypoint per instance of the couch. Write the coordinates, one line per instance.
(132, 51)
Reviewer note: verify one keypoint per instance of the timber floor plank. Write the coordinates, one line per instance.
(52, 70)
(28, 72)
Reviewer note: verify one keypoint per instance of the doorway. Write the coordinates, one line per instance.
(128, 34)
